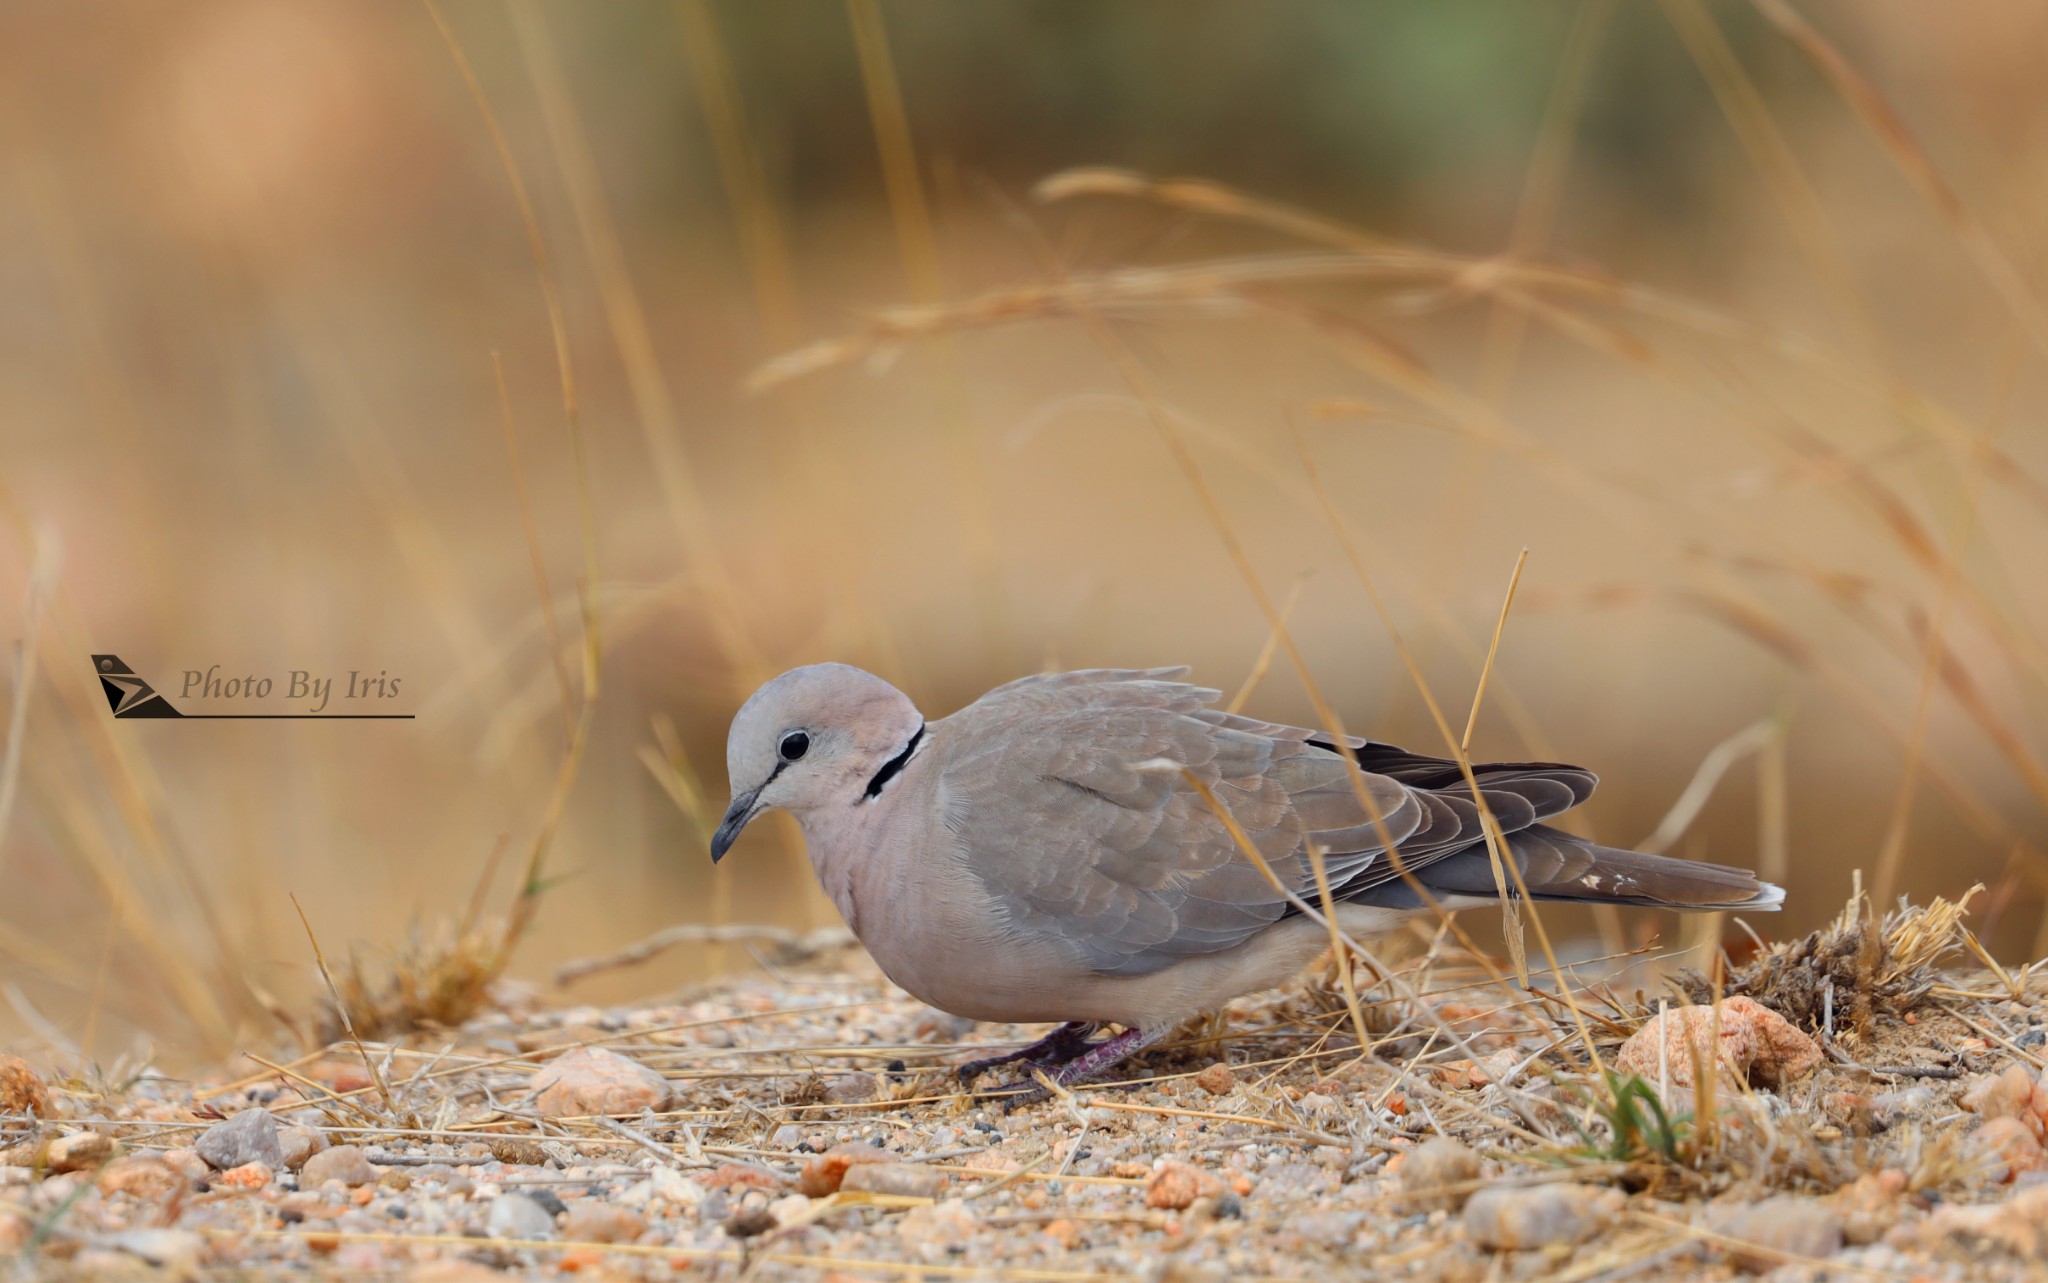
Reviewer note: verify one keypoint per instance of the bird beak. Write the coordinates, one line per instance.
(736, 817)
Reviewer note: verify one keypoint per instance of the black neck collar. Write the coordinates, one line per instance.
(892, 767)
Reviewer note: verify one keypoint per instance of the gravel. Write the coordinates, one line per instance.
(816, 1116)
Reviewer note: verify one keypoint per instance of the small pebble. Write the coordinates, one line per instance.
(825, 1173)
(1328, 1229)
(142, 1175)
(1514, 1218)
(186, 1162)
(1174, 1185)
(1217, 1080)
(913, 1179)
(344, 1163)
(247, 1176)
(518, 1151)
(548, 1201)
(851, 1089)
(1797, 1226)
(2006, 1149)
(1433, 1165)
(593, 1080)
(664, 1185)
(249, 1137)
(743, 1176)
(1756, 1044)
(1888, 1109)
(80, 1151)
(590, 1221)
(21, 1089)
(300, 1143)
(175, 1252)
(750, 1224)
(519, 1217)
(937, 1228)
(2000, 1095)
(933, 1025)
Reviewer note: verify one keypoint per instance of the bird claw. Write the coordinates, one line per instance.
(1057, 1048)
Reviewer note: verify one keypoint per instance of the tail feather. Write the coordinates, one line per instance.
(1558, 866)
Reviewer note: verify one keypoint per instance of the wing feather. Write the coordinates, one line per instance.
(1070, 800)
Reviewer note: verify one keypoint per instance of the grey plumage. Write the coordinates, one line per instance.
(1042, 855)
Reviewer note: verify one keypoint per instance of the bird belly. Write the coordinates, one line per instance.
(963, 963)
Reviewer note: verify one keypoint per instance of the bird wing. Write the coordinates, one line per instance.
(1070, 796)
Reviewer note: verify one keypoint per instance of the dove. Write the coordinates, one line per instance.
(1062, 849)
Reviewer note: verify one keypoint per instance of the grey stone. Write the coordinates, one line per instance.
(249, 1137)
(517, 1216)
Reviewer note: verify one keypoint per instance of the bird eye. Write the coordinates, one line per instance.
(795, 745)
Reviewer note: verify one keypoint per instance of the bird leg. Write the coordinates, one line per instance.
(1056, 1048)
(1097, 1060)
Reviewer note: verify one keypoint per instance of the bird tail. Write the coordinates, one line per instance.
(1558, 866)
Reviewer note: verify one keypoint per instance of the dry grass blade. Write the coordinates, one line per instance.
(1201, 196)
(1264, 663)
(1747, 114)
(763, 238)
(1344, 969)
(556, 661)
(1536, 212)
(660, 424)
(1706, 778)
(1183, 457)
(1932, 668)
(531, 884)
(917, 241)
(341, 1012)
(1898, 141)
(42, 577)
(1349, 942)
(1504, 869)
(1500, 626)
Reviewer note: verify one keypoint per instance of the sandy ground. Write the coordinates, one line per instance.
(807, 1124)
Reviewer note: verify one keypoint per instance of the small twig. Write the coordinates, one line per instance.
(1999, 1038)
(792, 942)
(665, 1153)
(327, 1092)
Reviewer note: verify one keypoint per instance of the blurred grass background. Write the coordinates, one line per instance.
(1733, 322)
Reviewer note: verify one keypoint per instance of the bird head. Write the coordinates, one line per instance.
(813, 738)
